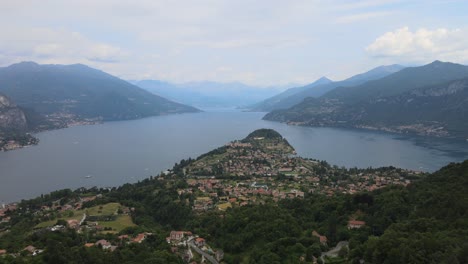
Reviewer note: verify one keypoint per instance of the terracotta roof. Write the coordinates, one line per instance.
(103, 242)
(323, 239)
(355, 222)
(139, 238)
(30, 248)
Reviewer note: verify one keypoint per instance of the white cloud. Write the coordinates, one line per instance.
(422, 45)
(47, 45)
(263, 42)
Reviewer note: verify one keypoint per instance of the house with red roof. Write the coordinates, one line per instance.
(177, 235)
(354, 224)
(323, 239)
(73, 223)
(139, 238)
(200, 242)
(104, 244)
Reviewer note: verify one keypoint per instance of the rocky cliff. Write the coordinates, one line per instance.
(13, 126)
(12, 118)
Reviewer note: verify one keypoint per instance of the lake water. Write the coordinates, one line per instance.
(119, 152)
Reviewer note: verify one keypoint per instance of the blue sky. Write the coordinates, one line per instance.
(256, 42)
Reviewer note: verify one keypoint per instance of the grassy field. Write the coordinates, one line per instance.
(77, 215)
(224, 206)
(107, 209)
(120, 223)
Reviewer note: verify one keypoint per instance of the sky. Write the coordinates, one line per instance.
(257, 42)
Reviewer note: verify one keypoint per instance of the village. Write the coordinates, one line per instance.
(105, 219)
(254, 171)
(259, 168)
(185, 244)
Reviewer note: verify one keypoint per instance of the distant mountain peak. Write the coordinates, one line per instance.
(24, 64)
(85, 92)
(320, 81)
(31, 63)
(80, 65)
(438, 64)
(323, 80)
(387, 68)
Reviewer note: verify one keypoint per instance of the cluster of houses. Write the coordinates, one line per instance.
(183, 242)
(361, 182)
(215, 193)
(4, 212)
(211, 193)
(29, 250)
(6, 145)
(260, 162)
(123, 239)
(48, 211)
(243, 159)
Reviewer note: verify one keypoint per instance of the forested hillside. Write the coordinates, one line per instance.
(82, 92)
(430, 100)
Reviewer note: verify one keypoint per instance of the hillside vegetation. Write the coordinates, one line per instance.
(425, 221)
(430, 100)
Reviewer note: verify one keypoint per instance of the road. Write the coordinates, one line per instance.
(83, 219)
(334, 251)
(201, 252)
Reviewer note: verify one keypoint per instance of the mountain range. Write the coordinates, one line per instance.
(208, 94)
(39, 97)
(426, 100)
(81, 91)
(320, 87)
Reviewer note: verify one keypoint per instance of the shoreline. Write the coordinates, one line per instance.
(377, 129)
(15, 145)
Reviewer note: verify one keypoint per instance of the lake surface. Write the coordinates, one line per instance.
(119, 152)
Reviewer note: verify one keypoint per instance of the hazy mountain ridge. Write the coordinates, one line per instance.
(316, 89)
(281, 100)
(405, 80)
(426, 100)
(81, 91)
(210, 94)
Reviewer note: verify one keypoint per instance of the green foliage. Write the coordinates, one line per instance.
(265, 133)
(296, 95)
(426, 222)
(419, 100)
(430, 220)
